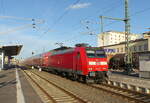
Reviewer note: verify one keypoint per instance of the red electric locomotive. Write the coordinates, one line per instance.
(79, 63)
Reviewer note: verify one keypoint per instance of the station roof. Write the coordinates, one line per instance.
(11, 50)
(132, 41)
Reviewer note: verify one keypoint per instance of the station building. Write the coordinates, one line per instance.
(137, 47)
(7, 53)
(114, 37)
(140, 49)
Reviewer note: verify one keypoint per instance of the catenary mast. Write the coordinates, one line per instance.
(128, 57)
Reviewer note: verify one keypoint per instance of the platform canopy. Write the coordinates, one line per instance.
(11, 50)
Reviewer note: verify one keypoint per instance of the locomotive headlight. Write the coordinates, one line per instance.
(92, 63)
(103, 63)
(89, 68)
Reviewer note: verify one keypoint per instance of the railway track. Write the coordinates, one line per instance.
(130, 95)
(53, 92)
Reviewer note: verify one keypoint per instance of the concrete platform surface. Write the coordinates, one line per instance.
(14, 88)
(132, 79)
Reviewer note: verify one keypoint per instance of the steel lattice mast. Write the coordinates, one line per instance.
(128, 59)
(128, 53)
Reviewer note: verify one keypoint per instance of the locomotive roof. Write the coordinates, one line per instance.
(94, 48)
(62, 48)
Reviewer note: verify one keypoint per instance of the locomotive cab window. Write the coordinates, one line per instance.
(78, 55)
(90, 53)
(95, 53)
(100, 54)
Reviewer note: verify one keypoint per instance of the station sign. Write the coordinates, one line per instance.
(110, 50)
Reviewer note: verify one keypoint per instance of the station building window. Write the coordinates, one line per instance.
(135, 48)
(118, 50)
(145, 47)
(130, 49)
(140, 48)
(121, 49)
(115, 50)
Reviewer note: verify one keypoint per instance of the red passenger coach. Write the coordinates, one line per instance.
(79, 63)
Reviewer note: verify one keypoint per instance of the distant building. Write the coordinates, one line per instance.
(146, 34)
(138, 45)
(116, 53)
(114, 37)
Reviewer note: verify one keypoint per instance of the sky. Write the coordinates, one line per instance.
(65, 21)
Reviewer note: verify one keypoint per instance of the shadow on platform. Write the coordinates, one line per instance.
(2, 76)
(134, 74)
(2, 84)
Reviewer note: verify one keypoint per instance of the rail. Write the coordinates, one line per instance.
(52, 98)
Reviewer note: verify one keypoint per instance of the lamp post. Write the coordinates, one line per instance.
(32, 60)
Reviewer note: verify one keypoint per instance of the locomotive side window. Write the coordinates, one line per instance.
(78, 55)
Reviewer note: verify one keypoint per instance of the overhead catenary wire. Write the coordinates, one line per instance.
(110, 8)
(46, 29)
(34, 21)
(15, 29)
(141, 11)
(75, 39)
(18, 18)
(106, 9)
(134, 14)
(49, 8)
(33, 25)
(61, 17)
(71, 38)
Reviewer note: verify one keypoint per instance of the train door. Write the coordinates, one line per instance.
(78, 61)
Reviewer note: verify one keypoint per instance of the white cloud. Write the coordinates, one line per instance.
(79, 6)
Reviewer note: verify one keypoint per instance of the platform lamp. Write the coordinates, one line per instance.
(32, 60)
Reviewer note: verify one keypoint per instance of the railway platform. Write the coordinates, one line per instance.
(133, 81)
(14, 88)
